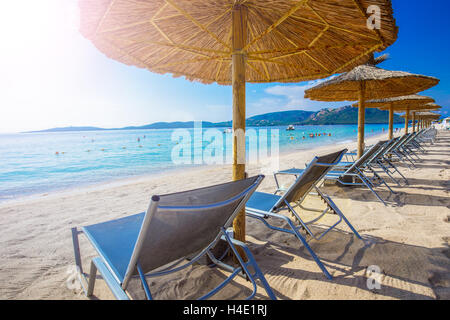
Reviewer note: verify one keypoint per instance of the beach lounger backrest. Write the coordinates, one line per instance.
(411, 137)
(383, 147)
(312, 174)
(365, 157)
(393, 144)
(404, 140)
(182, 224)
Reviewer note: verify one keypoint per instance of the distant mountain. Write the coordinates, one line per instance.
(344, 115)
(169, 125)
(274, 119)
(65, 129)
(349, 115)
(156, 125)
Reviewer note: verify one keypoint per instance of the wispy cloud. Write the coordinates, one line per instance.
(289, 97)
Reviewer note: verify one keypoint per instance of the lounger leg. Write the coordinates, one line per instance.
(311, 252)
(148, 294)
(384, 182)
(412, 166)
(350, 225)
(396, 169)
(392, 177)
(278, 184)
(251, 260)
(294, 231)
(388, 172)
(373, 191)
(92, 277)
(78, 264)
(335, 208)
(381, 179)
(76, 249)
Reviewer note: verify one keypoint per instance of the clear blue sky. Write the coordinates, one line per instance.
(51, 76)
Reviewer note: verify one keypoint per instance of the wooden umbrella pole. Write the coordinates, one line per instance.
(407, 120)
(361, 118)
(391, 121)
(414, 121)
(239, 34)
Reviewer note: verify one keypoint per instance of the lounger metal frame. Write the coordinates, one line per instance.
(304, 225)
(247, 269)
(358, 171)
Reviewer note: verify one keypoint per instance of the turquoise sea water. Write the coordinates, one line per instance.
(29, 163)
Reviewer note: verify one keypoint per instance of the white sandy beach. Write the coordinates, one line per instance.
(409, 240)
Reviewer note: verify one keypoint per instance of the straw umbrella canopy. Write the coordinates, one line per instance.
(425, 115)
(416, 103)
(431, 106)
(424, 118)
(367, 82)
(232, 42)
(398, 104)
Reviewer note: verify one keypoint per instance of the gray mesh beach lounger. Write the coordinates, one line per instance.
(176, 231)
(358, 173)
(263, 206)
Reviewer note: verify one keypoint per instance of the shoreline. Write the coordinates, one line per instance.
(114, 183)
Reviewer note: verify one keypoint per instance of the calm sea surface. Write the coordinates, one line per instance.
(34, 163)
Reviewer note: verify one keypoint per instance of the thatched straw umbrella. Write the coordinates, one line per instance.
(425, 118)
(412, 107)
(232, 42)
(368, 82)
(398, 104)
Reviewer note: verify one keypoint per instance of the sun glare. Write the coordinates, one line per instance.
(35, 52)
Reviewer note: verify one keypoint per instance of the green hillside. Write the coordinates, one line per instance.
(349, 115)
(344, 115)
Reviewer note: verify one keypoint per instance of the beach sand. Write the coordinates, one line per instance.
(408, 241)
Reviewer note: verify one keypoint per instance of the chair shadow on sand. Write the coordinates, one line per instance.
(440, 148)
(188, 284)
(403, 266)
(428, 164)
(408, 271)
(400, 263)
(402, 197)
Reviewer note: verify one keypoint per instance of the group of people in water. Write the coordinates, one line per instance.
(103, 149)
(313, 135)
(310, 135)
